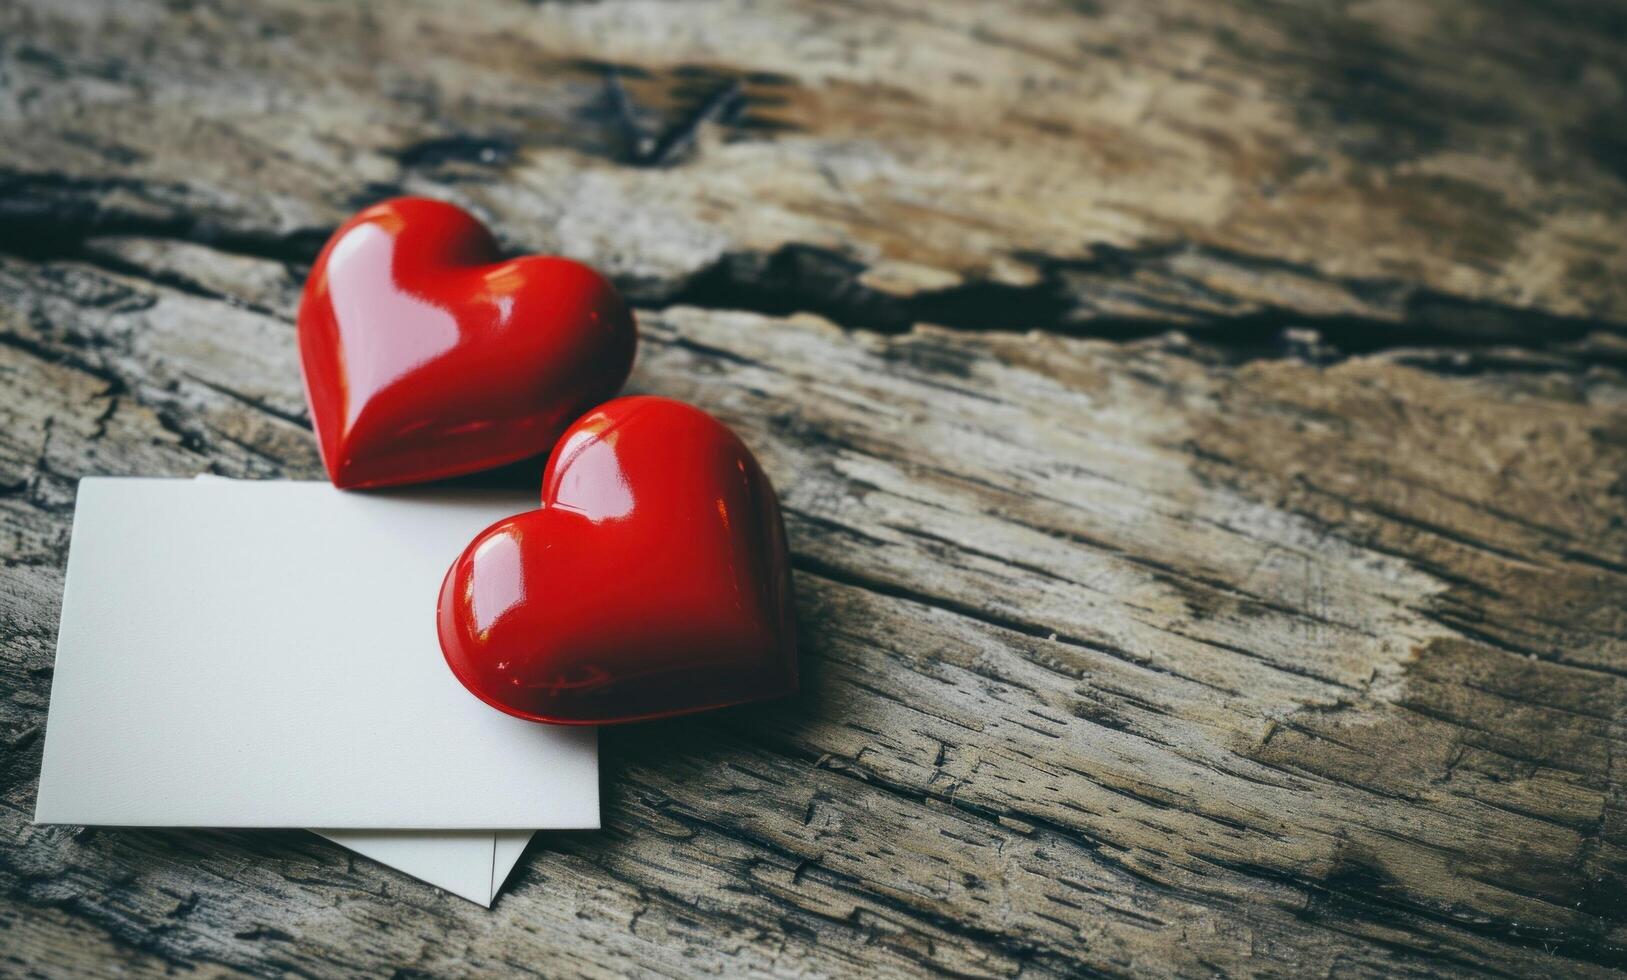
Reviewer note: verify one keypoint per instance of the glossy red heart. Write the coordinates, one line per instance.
(425, 356)
(653, 582)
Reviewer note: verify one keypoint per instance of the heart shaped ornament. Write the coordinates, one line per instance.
(427, 356)
(653, 582)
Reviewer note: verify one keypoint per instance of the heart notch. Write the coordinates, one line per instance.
(426, 355)
(653, 582)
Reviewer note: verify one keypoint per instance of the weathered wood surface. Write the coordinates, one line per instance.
(1202, 429)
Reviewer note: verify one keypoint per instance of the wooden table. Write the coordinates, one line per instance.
(1202, 429)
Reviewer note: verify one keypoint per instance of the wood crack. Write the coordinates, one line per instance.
(52, 217)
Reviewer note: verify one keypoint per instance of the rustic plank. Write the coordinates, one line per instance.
(1245, 153)
(1201, 429)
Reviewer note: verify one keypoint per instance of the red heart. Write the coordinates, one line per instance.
(653, 582)
(426, 357)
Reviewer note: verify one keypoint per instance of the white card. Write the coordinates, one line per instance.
(263, 654)
(470, 863)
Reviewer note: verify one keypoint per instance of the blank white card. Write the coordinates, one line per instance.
(263, 654)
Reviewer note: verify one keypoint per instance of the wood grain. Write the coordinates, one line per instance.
(1202, 430)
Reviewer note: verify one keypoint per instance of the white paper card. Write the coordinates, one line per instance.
(263, 654)
(470, 863)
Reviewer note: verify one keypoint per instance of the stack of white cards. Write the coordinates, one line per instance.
(264, 654)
